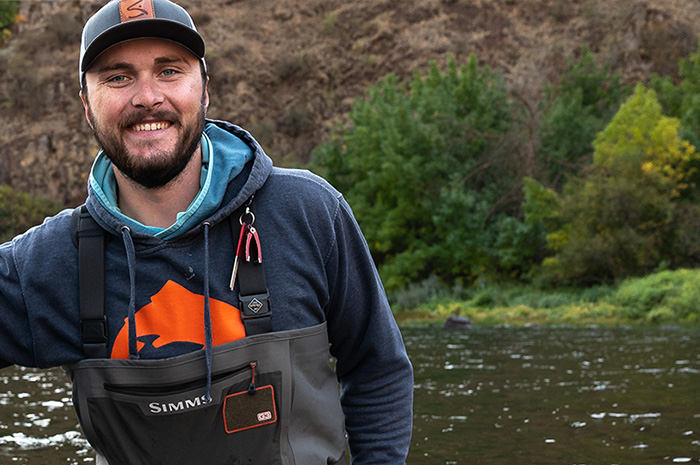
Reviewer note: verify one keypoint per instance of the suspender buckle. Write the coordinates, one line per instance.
(255, 305)
(94, 331)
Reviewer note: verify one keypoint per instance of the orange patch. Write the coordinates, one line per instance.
(177, 315)
(130, 10)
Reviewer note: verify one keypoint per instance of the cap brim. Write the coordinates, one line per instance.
(142, 29)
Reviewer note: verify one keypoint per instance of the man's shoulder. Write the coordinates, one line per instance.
(302, 182)
(296, 193)
(52, 232)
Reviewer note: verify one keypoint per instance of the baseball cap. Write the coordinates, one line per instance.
(121, 20)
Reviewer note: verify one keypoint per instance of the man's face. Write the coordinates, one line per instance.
(146, 101)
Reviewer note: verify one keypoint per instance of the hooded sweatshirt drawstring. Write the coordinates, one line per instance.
(208, 338)
(130, 262)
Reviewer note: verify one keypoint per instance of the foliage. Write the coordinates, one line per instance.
(20, 211)
(417, 165)
(576, 108)
(8, 13)
(518, 304)
(640, 128)
(667, 297)
(682, 101)
(428, 290)
(445, 186)
(661, 297)
(617, 220)
(521, 245)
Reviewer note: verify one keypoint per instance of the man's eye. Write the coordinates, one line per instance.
(169, 72)
(118, 79)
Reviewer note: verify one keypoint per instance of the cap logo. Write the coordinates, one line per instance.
(130, 10)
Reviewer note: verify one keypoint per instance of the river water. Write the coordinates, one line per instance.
(486, 396)
(556, 396)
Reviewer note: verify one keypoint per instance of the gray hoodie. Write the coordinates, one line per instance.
(317, 267)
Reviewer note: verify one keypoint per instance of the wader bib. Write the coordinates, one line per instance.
(274, 396)
(274, 401)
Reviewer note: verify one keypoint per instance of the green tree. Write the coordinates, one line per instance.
(522, 245)
(641, 130)
(627, 215)
(419, 164)
(575, 109)
(8, 14)
(682, 100)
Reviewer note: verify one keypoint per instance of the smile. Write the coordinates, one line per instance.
(151, 126)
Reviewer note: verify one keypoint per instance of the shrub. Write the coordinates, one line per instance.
(425, 292)
(575, 109)
(664, 296)
(617, 221)
(681, 101)
(8, 13)
(417, 165)
(20, 211)
(521, 245)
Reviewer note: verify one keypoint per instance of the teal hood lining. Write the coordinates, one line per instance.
(223, 157)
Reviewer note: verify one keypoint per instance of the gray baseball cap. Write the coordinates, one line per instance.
(121, 20)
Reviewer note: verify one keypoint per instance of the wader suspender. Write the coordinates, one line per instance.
(90, 239)
(253, 294)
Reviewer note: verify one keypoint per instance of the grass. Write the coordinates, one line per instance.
(664, 298)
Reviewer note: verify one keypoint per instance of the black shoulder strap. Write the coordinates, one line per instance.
(254, 298)
(253, 294)
(90, 238)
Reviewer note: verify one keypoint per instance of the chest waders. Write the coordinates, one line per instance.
(274, 396)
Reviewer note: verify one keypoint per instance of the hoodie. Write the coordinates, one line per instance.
(317, 267)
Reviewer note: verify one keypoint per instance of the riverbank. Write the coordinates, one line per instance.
(664, 298)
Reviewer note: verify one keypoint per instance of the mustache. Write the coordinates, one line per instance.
(140, 115)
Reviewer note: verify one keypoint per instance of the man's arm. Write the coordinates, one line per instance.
(15, 334)
(37, 285)
(373, 367)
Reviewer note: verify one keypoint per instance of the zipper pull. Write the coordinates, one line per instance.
(251, 388)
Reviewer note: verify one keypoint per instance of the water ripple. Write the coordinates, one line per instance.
(24, 442)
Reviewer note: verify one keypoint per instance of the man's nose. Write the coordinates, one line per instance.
(147, 94)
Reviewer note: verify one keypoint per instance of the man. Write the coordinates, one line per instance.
(225, 280)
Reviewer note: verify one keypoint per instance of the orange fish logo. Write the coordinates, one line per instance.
(173, 323)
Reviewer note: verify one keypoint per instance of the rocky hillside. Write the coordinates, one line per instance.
(288, 69)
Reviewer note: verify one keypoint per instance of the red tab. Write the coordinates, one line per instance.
(130, 10)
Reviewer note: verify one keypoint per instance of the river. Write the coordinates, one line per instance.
(491, 396)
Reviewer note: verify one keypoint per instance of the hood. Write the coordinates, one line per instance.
(235, 168)
(227, 188)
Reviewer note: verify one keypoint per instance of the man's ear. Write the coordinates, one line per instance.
(86, 107)
(206, 94)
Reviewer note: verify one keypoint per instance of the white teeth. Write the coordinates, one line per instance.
(150, 126)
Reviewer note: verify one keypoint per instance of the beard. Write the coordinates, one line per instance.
(160, 167)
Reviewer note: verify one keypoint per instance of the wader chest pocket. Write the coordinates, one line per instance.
(175, 425)
(137, 391)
